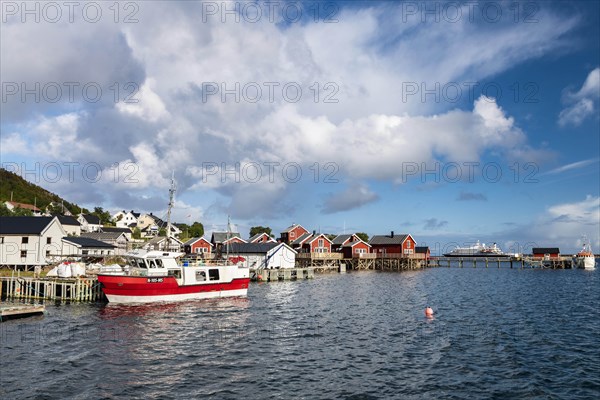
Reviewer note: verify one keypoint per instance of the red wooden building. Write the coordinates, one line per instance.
(341, 240)
(546, 253)
(292, 233)
(198, 246)
(402, 245)
(423, 252)
(355, 248)
(317, 243)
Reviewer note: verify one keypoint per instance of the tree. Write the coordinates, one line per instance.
(137, 233)
(4, 211)
(162, 232)
(260, 229)
(196, 230)
(22, 212)
(104, 216)
(363, 236)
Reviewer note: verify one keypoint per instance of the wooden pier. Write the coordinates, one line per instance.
(13, 311)
(500, 262)
(282, 274)
(73, 289)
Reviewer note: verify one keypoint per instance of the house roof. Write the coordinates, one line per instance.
(258, 236)
(301, 239)
(87, 242)
(103, 236)
(194, 240)
(23, 225)
(340, 239)
(24, 206)
(421, 249)
(91, 219)
(67, 220)
(291, 227)
(107, 229)
(352, 244)
(220, 237)
(318, 236)
(160, 239)
(246, 248)
(388, 239)
(545, 250)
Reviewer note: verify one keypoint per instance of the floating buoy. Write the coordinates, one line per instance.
(429, 311)
(259, 277)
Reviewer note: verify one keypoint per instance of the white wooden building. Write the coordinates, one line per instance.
(263, 255)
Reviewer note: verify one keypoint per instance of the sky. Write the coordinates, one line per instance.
(451, 121)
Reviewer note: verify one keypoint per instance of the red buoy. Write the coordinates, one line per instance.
(429, 311)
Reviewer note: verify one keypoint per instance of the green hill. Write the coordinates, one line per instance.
(27, 192)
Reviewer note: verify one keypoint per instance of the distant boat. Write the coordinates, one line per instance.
(477, 250)
(585, 258)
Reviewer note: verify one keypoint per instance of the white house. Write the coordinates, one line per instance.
(126, 219)
(263, 255)
(160, 243)
(70, 225)
(150, 225)
(13, 205)
(83, 246)
(89, 223)
(117, 239)
(29, 241)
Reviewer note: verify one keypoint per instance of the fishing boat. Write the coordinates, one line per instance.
(155, 276)
(477, 250)
(585, 258)
(167, 276)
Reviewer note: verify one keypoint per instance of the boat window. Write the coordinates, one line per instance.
(200, 276)
(175, 273)
(159, 263)
(213, 274)
(151, 263)
(141, 263)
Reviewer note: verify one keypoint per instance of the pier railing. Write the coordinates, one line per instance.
(321, 256)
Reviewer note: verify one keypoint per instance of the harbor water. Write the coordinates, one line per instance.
(495, 333)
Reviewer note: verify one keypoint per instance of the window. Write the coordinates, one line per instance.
(213, 274)
(23, 253)
(1, 239)
(321, 242)
(201, 276)
(151, 263)
(47, 253)
(159, 263)
(359, 251)
(84, 252)
(292, 234)
(49, 240)
(25, 239)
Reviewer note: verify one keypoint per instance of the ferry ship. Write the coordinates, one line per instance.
(477, 250)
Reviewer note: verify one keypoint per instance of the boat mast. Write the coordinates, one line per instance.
(171, 197)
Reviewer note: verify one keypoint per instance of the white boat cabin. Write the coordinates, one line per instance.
(186, 272)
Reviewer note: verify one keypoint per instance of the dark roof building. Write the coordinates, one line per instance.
(220, 237)
(88, 242)
(390, 239)
(68, 220)
(23, 225)
(246, 248)
(91, 219)
(545, 250)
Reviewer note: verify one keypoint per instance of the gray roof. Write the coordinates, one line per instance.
(257, 236)
(289, 228)
(23, 225)
(388, 239)
(246, 248)
(103, 235)
(194, 240)
(91, 219)
(67, 220)
(159, 239)
(421, 249)
(301, 238)
(87, 242)
(114, 229)
(545, 250)
(340, 239)
(220, 237)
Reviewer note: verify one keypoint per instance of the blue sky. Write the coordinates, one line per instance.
(454, 125)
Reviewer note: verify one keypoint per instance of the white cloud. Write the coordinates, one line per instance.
(13, 143)
(583, 103)
(354, 196)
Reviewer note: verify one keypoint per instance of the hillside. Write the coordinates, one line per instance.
(26, 192)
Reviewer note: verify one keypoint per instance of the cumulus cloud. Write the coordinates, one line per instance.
(354, 196)
(434, 223)
(583, 103)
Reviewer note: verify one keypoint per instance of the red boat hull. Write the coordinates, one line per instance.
(142, 289)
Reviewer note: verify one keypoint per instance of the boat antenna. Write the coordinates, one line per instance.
(171, 197)
(228, 232)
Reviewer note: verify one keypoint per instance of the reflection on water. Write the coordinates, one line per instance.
(495, 333)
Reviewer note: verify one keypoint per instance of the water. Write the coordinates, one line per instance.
(363, 335)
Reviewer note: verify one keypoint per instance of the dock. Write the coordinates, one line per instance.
(13, 311)
(283, 274)
(70, 289)
(501, 262)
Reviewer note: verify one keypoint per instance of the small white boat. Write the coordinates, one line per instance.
(585, 258)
